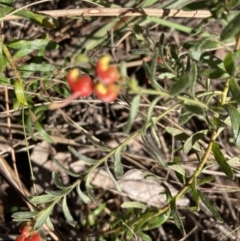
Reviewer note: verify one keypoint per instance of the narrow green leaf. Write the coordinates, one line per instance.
(67, 213)
(95, 143)
(232, 3)
(235, 89)
(149, 112)
(231, 29)
(42, 132)
(235, 117)
(195, 193)
(160, 160)
(83, 196)
(112, 178)
(70, 173)
(185, 116)
(157, 221)
(38, 18)
(141, 51)
(89, 191)
(221, 160)
(210, 206)
(193, 78)
(177, 220)
(57, 181)
(205, 180)
(133, 112)
(42, 199)
(24, 215)
(133, 205)
(195, 109)
(181, 174)
(153, 67)
(118, 167)
(33, 67)
(178, 168)
(142, 220)
(230, 64)
(155, 134)
(59, 193)
(49, 224)
(19, 91)
(143, 236)
(81, 157)
(173, 131)
(180, 85)
(7, 2)
(42, 217)
(190, 142)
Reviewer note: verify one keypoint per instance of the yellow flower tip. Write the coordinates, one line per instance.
(104, 62)
(101, 88)
(73, 74)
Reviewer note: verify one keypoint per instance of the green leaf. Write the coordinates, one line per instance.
(235, 117)
(149, 147)
(42, 199)
(231, 29)
(195, 109)
(70, 173)
(214, 73)
(133, 112)
(143, 236)
(112, 178)
(230, 64)
(42, 217)
(190, 142)
(83, 196)
(57, 181)
(193, 78)
(27, 46)
(210, 206)
(142, 220)
(195, 193)
(153, 67)
(19, 91)
(133, 205)
(59, 193)
(96, 143)
(141, 51)
(173, 131)
(42, 132)
(33, 67)
(221, 160)
(24, 215)
(149, 112)
(67, 213)
(82, 157)
(49, 224)
(180, 85)
(185, 116)
(200, 47)
(89, 191)
(178, 168)
(232, 3)
(234, 89)
(177, 220)
(38, 18)
(157, 221)
(154, 134)
(118, 167)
